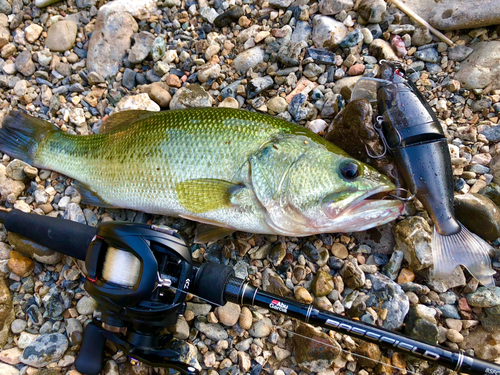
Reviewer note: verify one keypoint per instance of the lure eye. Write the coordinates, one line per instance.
(349, 170)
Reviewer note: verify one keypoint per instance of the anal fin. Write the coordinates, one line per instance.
(89, 196)
(463, 248)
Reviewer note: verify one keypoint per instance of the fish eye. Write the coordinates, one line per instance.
(349, 170)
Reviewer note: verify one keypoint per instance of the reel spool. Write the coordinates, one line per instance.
(131, 268)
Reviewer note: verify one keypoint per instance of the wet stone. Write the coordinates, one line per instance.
(478, 214)
(484, 297)
(230, 15)
(271, 282)
(391, 269)
(353, 276)
(322, 284)
(369, 354)
(421, 324)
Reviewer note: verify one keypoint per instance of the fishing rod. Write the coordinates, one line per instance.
(140, 275)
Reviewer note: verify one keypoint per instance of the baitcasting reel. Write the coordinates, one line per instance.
(131, 268)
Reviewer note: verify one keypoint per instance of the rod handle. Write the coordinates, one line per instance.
(64, 236)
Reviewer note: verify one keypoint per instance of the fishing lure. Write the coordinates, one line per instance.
(412, 134)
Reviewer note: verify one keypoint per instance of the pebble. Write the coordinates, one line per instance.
(248, 59)
(86, 305)
(61, 36)
(245, 320)
(229, 314)
(229, 103)
(20, 264)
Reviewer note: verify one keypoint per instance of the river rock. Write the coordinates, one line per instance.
(261, 328)
(322, 284)
(24, 64)
(110, 41)
(213, 331)
(459, 53)
(140, 9)
(191, 96)
(481, 68)
(61, 36)
(484, 297)
(271, 282)
(143, 42)
(137, 102)
(414, 238)
(387, 294)
(199, 309)
(478, 214)
(332, 7)
(421, 324)
(229, 314)
(20, 264)
(44, 3)
(317, 354)
(327, 32)
(230, 15)
(45, 349)
(353, 276)
(32, 32)
(188, 354)
(372, 11)
(381, 49)
(6, 369)
(490, 318)
(248, 59)
(456, 15)
(486, 344)
(369, 354)
(33, 250)
(7, 315)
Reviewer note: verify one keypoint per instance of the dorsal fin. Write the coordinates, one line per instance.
(122, 119)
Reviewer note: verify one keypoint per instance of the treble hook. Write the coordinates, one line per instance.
(407, 199)
(378, 128)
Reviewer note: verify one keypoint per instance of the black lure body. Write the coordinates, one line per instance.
(415, 138)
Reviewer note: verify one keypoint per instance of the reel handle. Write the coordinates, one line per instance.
(89, 360)
(64, 236)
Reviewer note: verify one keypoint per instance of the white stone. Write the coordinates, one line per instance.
(32, 32)
(141, 9)
(8, 369)
(140, 101)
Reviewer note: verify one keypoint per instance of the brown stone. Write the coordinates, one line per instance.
(302, 295)
(322, 284)
(406, 276)
(339, 250)
(173, 81)
(370, 354)
(320, 352)
(20, 264)
(245, 319)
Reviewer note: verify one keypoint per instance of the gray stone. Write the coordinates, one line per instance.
(261, 328)
(421, 324)
(74, 331)
(459, 53)
(248, 59)
(214, 332)
(5, 7)
(24, 64)
(44, 350)
(485, 297)
(86, 305)
(143, 42)
(74, 212)
(18, 326)
(191, 96)
(280, 3)
(61, 36)
(372, 11)
(490, 318)
(128, 79)
(427, 55)
(392, 268)
(382, 50)
(456, 15)
(181, 329)
(110, 41)
(327, 32)
(481, 68)
(386, 294)
(198, 309)
(332, 7)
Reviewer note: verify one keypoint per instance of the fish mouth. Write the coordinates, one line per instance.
(369, 210)
(374, 199)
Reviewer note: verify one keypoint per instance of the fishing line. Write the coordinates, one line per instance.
(299, 335)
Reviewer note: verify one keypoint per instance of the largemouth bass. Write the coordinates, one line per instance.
(230, 168)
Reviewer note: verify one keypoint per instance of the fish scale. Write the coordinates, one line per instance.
(201, 164)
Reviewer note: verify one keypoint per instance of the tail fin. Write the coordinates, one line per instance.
(21, 133)
(463, 248)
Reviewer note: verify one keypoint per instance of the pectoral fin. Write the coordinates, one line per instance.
(89, 196)
(204, 195)
(209, 233)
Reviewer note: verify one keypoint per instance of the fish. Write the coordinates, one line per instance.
(233, 169)
(414, 137)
